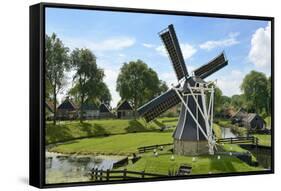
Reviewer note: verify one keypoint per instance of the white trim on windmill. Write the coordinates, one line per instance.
(194, 131)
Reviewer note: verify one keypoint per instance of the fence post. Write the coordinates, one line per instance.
(125, 174)
(101, 172)
(142, 174)
(230, 140)
(107, 174)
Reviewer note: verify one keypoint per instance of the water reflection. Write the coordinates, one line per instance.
(226, 132)
(71, 168)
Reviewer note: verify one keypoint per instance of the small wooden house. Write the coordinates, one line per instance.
(67, 110)
(249, 120)
(254, 122)
(104, 111)
(125, 110)
(90, 111)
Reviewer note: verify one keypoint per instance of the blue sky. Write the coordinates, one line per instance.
(117, 38)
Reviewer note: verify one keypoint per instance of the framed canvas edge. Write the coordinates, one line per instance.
(37, 163)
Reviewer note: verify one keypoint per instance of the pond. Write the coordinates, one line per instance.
(226, 133)
(75, 168)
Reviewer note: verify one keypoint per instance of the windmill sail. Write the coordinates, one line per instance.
(171, 44)
(214, 65)
(159, 105)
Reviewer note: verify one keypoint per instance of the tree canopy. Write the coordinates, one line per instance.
(57, 63)
(255, 89)
(88, 77)
(138, 83)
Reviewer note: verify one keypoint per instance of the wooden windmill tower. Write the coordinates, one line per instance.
(193, 134)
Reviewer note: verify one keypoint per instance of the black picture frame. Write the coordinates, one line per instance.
(37, 91)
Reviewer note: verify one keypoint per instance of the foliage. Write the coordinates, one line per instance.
(57, 63)
(238, 101)
(255, 90)
(138, 83)
(88, 77)
(269, 96)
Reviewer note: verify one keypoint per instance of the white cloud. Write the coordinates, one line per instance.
(260, 52)
(110, 80)
(110, 44)
(187, 50)
(147, 45)
(230, 84)
(169, 77)
(211, 44)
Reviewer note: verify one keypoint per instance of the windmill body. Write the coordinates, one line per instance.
(193, 134)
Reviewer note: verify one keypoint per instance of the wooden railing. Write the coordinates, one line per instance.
(239, 140)
(152, 147)
(101, 175)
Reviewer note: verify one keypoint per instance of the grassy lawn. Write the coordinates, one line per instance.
(264, 140)
(169, 121)
(114, 145)
(217, 130)
(223, 122)
(268, 121)
(69, 130)
(202, 165)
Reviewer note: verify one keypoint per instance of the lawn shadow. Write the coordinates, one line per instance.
(57, 133)
(135, 126)
(93, 129)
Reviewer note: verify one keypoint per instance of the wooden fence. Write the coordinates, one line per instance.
(152, 147)
(101, 175)
(239, 140)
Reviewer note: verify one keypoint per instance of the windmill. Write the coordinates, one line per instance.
(193, 134)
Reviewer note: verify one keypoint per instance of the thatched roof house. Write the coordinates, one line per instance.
(67, 110)
(125, 110)
(249, 120)
(104, 111)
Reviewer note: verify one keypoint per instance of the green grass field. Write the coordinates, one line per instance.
(69, 130)
(264, 140)
(268, 121)
(202, 164)
(114, 145)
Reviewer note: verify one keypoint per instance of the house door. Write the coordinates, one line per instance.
(119, 115)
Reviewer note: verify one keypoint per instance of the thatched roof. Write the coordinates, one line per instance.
(104, 108)
(68, 105)
(124, 105)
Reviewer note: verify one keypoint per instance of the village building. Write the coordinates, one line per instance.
(249, 120)
(104, 111)
(125, 110)
(67, 110)
(90, 111)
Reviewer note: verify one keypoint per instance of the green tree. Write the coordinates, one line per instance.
(57, 63)
(138, 83)
(269, 96)
(88, 77)
(255, 91)
(237, 101)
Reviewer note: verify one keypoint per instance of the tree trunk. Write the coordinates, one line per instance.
(135, 108)
(55, 105)
(81, 108)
